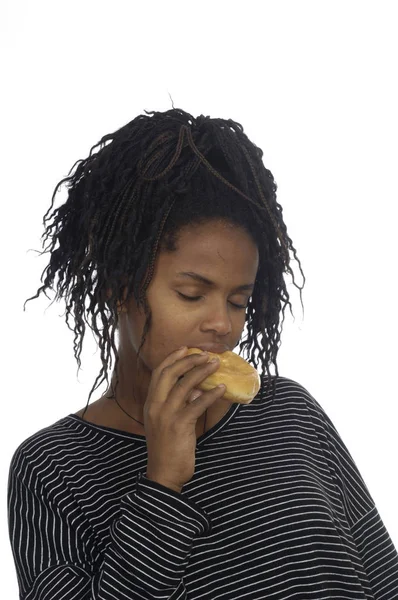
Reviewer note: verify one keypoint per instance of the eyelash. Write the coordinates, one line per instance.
(196, 298)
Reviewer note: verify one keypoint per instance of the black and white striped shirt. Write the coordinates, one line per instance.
(277, 509)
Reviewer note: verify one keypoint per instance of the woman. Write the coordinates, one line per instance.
(173, 233)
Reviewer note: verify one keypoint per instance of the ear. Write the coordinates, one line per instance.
(121, 307)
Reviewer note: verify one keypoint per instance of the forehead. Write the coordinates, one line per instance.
(223, 249)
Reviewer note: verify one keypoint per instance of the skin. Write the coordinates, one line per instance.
(221, 252)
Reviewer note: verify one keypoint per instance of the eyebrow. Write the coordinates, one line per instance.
(205, 281)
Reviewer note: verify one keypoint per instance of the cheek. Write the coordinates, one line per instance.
(171, 328)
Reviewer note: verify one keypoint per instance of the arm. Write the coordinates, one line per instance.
(375, 548)
(146, 558)
(378, 555)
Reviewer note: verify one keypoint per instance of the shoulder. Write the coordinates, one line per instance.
(292, 396)
(39, 450)
(289, 390)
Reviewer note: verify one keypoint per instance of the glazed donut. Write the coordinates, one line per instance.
(241, 379)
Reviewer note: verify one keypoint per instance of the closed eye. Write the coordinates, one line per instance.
(196, 298)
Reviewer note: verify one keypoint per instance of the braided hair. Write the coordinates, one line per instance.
(130, 199)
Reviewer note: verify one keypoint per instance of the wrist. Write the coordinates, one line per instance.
(164, 483)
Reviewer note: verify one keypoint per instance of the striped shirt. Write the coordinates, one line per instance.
(277, 509)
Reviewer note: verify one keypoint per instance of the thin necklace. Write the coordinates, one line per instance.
(121, 407)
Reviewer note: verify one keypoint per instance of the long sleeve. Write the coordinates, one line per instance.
(378, 554)
(53, 551)
(375, 548)
(277, 509)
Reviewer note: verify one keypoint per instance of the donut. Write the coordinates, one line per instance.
(241, 379)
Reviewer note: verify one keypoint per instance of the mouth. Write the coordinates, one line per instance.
(215, 348)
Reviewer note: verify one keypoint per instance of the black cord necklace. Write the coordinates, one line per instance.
(121, 407)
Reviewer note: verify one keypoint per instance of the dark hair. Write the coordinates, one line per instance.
(131, 198)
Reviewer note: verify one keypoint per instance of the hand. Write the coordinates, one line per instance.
(170, 420)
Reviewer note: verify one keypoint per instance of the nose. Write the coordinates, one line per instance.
(217, 320)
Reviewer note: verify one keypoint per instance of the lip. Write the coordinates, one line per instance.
(215, 348)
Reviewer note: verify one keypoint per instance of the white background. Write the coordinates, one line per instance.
(314, 84)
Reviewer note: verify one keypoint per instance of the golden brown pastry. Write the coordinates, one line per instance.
(241, 379)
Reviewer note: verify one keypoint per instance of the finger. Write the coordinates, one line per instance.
(198, 405)
(169, 360)
(196, 393)
(180, 373)
(173, 357)
(165, 376)
(190, 381)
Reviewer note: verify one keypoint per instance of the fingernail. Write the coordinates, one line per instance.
(195, 396)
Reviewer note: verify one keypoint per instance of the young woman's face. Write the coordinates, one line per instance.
(219, 252)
